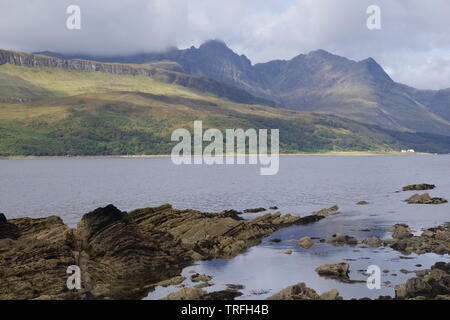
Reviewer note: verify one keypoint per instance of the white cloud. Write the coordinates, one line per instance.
(412, 31)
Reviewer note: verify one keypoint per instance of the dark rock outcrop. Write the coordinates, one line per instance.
(338, 270)
(431, 284)
(7, 230)
(436, 240)
(255, 210)
(333, 209)
(200, 294)
(424, 199)
(301, 292)
(419, 187)
(296, 292)
(341, 239)
(373, 242)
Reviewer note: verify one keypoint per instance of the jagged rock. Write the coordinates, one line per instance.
(401, 232)
(199, 294)
(296, 292)
(338, 270)
(301, 292)
(341, 239)
(373, 242)
(122, 255)
(235, 287)
(432, 284)
(8, 230)
(200, 278)
(327, 211)
(33, 265)
(434, 240)
(419, 187)
(187, 294)
(227, 294)
(306, 242)
(333, 294)
(175, 281)
(414, 287)
(424, 199)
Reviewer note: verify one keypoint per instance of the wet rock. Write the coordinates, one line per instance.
(203, 285)
(333, 294)
(419, 187)
(200, 294)
(301, 292)
(338, 270)
(306, 242)
(333, 209)
(434, 240)
(255, 210)
(424, 199)
(273, 208)
(222, 295)
(235, 287)
(362, 203)
(296, 292)
(187, 294)
(412, 288)
(341, 239)
(373, 242)
(175, 281)
(275, 240)
(200, 278)
(429, 284)
(401, 232)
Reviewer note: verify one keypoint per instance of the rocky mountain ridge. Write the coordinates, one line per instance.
(201, 84)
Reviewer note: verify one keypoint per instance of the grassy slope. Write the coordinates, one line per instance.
(57, 112)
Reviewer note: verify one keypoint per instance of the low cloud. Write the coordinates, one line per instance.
(412, 43)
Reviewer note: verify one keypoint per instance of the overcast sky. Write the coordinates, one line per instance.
(413, 45)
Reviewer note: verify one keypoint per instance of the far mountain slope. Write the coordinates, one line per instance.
(318, 81)
(54, 111)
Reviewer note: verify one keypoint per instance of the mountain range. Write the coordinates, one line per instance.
(53, 105)
(318, 81)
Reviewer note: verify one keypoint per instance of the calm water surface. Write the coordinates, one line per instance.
(71, 187)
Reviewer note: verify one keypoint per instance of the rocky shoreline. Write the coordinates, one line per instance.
(126, 255)
(121, 255)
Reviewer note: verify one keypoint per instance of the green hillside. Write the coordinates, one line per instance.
(51, 111)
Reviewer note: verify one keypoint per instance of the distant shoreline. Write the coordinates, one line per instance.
(331, 153)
